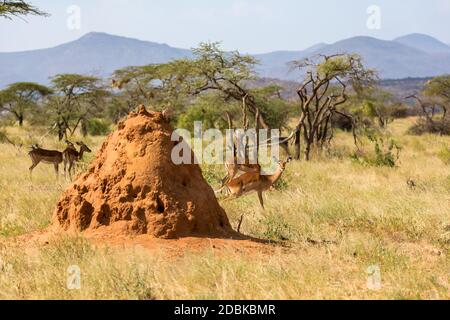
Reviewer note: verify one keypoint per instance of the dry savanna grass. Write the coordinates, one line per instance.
(331, 221)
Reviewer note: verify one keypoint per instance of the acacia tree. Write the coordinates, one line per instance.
(18, 8)
(118, 107)
(321, 94)
(209, 109)
(18, 98)
(56, 113)
(178, 83)
(77, 98)
(429, 106)
(277, 110)
(159, 84)
(439, 88)
(135, 84)
(434, 97)
(224, 72)
(379, 105)
(433, 101)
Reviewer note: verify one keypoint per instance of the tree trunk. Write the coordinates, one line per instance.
(19, 117)
(298, 138)
(308, 151)
(309, 141)
(61, 131)
(84, 129)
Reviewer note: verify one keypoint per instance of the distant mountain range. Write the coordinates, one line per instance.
(424, 43)
(414, 55)
(95, 53)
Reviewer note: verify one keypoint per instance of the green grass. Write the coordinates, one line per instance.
(334, 218)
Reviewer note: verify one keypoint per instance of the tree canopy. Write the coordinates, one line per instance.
(77, 98)
(20, 97)
(18, 8)
(177, 84)
(323, 92)
(439, 87)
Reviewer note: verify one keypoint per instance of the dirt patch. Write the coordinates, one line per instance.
(175, 248)
(134, 188)
(32, 243)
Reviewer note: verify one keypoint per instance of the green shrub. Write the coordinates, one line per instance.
(209, 117)
(424, 126)
(209, 109)
(386, 153)
(98, 127)
(281, 184)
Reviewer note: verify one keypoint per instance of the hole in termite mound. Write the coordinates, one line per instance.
(160, 205)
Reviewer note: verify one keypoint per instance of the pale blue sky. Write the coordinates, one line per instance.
(252, 26)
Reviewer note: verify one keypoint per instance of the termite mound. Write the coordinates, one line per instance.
(134, 188)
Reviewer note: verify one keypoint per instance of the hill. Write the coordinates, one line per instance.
(100, 54)
(424, 42)
(95, 53)
(392, 59)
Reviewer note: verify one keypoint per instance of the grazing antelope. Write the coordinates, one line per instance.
(255, 182)
(71, 156)
(39, 155)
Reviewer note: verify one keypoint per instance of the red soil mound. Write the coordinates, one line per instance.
(133, 188)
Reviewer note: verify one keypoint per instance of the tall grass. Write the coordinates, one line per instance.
(331, 220)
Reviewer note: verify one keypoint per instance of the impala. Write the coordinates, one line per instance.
(255, 182)
(39, 155)
(234, 168)
(71, 156)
